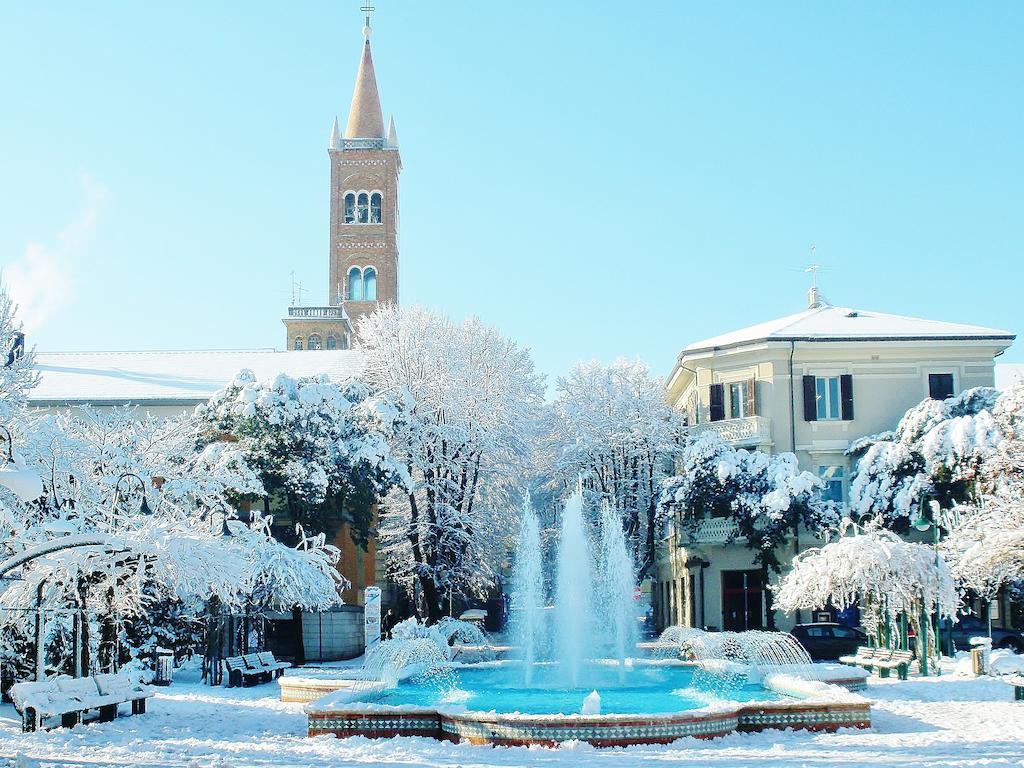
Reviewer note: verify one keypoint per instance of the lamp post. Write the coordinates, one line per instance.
(923, 524)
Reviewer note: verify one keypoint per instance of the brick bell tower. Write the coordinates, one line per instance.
(365, 164)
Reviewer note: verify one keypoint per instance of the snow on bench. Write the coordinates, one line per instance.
(69, 698)
(882, 659)
(253, 668)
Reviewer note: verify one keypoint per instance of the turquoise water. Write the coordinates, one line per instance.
(644, 689)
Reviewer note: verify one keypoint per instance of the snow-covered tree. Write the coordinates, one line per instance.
(318, 447)
(937, 451)
(17, 376)
(767, 496)
(886, 576)
(985, 538)
(612, 427)
(97, 469)
(461, 402)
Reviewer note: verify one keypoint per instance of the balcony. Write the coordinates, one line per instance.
(318, 313)
(748, 431)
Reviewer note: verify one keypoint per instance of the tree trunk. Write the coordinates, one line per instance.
(300, 645)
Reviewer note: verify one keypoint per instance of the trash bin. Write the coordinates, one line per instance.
(981, 647)
(164, 666)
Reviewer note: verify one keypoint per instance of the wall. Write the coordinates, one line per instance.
(333, 635)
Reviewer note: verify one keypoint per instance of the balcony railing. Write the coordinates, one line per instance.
(750, 430)
(317, 312)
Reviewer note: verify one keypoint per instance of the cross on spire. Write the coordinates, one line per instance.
(367, 9)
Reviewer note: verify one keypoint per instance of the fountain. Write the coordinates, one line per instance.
(528, 591)
(576, 677)
(573, 616)
(618, 586)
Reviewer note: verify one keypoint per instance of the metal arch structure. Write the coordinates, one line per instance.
(57, 545)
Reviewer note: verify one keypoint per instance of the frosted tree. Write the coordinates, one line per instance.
(318, 447)
(461, 402)
(176, 548)
(985, 538)
(612, 427)
(890, 579)
(768, 497)
(936, 451)
(17, 375)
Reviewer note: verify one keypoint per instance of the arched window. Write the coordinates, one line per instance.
(298, 342)
(350, 207)
(370, 284)
(355, 284)
(375, 208)
(344, 341)
(315, 342)
(332, 342)
(363, 207)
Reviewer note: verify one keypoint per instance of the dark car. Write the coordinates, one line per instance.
(971, 626)
(827, 641)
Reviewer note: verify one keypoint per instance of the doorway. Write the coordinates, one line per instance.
(742, 600)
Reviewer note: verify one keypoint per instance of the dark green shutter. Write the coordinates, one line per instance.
(716, 400)
(810, 399)
(846, 395)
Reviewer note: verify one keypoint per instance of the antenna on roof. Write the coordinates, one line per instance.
(814, 298)
(297, 291)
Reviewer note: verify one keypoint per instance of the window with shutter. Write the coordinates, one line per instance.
(751, 409)
(716, 401)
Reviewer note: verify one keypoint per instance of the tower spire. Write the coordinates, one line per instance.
(365, 118)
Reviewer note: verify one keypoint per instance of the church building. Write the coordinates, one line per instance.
(363, 271)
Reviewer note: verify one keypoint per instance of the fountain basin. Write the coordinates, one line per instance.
(650, 710)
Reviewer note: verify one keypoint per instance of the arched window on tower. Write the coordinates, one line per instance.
(355, 284)
(298, 342)
(370, 284)
(363, 207)
(332, 342)
(350, 207)
(375, 201)
(315, 342)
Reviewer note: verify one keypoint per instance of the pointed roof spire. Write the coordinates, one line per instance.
(365, 119)
(335, 140)
(392, 142)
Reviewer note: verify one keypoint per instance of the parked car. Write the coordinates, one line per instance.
(827, 641)
(971, 626)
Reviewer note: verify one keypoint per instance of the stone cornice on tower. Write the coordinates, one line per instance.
(365, 118)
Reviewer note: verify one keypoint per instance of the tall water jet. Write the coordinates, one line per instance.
(572, 598)
(528, 590)
(618, 584)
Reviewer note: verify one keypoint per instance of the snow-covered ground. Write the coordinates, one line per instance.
(947, 721)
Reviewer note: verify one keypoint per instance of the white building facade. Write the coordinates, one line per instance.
(810, 383)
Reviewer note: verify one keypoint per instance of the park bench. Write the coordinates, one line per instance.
(69, 698)
(883, 659)
(253, 668)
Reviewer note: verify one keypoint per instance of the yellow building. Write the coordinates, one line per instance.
(810, 383)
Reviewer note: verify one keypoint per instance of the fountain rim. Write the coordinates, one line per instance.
(794, 689)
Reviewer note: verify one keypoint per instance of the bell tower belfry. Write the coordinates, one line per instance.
(365, 165)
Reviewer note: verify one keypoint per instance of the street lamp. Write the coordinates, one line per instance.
(144, 507)
(923, 524)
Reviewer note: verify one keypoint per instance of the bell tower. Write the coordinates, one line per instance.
(365, 165)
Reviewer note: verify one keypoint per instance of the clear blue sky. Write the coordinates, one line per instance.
(596, 179)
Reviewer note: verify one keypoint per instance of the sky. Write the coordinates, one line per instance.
(595, 179)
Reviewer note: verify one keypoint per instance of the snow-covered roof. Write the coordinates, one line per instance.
(827, 323)
(1008, 373)
(172, 378)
